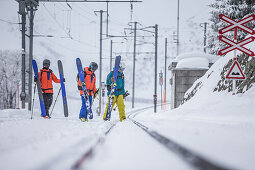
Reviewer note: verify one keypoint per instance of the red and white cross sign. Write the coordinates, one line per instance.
(237, 24)
(239, 45)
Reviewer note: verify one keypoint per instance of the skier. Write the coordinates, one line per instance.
(46, 76)
(119, 93)
(90, 81)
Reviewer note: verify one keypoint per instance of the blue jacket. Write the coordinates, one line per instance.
(120, 88)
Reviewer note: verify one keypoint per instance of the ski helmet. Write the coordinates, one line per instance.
(93, 66)
(122, 66)
(46, 63)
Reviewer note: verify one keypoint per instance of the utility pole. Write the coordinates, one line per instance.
(165, 73)
(204, 25)
(156, 56)
(134, 58)
(161, 83)
(100, 60)
(178, 32)
(31, 8)
(111, 51)
(134, 55)
(22, 12)
(133, 89)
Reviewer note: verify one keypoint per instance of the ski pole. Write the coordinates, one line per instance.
(55, 102)
(114, 108)
(33, 102)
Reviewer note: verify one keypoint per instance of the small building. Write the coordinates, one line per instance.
(186, 69)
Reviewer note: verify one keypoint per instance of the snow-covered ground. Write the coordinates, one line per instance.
(219, 127)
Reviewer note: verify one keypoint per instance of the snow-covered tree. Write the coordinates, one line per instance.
(10, 72)
(235, 9)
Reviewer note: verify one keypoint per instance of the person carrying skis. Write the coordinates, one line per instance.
(46, 76)
(90, 81)
(119, 93)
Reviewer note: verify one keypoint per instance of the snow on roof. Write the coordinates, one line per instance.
(195, 60)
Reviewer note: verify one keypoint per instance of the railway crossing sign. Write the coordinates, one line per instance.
(233, 45)
(237, 24)
(235, 72)
(234, 25)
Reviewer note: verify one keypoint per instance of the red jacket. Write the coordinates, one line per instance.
(90, 80)
(46, 76)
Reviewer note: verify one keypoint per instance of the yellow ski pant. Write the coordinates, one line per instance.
(121, 106)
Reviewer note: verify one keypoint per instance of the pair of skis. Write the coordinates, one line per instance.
(84, 88)
(113, 87)
(38, 83)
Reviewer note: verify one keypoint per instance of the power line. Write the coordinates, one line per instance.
(56, 21)
(116, 21)
(90, 13)
(9, 22)
(63, 46)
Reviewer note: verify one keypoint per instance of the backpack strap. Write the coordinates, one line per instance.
(47, 72)
(78, 77)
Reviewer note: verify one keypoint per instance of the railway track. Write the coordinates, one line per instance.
(188, 156)
(87, 155)
(195, 160)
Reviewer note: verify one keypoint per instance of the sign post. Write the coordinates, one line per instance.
(235, 71)
(161, 83)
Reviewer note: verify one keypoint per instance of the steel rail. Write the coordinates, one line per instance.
(190, 157)
(89, 153)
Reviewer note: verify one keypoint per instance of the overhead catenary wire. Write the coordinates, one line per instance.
(66, 47)
(78, 12)
(9, 22)
(69, 36)
(73, 9)
(55, 20)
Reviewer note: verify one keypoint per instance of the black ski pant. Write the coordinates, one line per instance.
(47, 98)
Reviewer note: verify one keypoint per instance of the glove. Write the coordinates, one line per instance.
(94, 96)
(64, 80)
(35, 79)
(96, 93)
(112, 79)
(79, 87)
(126, 94)
(108, 87)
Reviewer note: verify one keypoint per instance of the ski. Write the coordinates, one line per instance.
(39, 88)
(84, 89)
(113, 86)
(61, 75)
